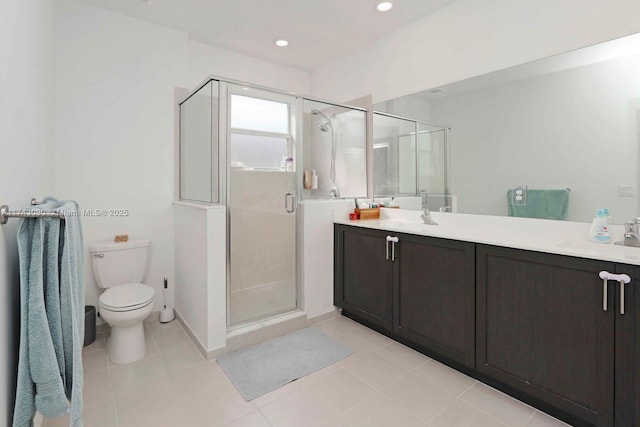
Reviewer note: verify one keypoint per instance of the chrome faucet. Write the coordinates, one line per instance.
(426, 217)
(334, 193)
(631, 233)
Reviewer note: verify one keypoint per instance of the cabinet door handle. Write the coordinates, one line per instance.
(393, 241)
(623, 279)
(287, 197)
(386, 246)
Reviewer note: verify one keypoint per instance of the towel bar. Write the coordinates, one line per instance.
(6, 213)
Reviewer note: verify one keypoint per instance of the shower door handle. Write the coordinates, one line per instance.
(287, 197)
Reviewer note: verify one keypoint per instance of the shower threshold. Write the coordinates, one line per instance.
(255, 332)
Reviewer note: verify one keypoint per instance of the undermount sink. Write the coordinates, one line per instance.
(629, 242)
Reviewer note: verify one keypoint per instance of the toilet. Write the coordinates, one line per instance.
(119, 269)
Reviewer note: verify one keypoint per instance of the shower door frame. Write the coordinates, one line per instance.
(226, 91)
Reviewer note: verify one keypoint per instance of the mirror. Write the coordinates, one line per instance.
(410, 160)
(570, 121)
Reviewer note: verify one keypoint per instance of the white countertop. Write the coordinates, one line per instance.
(556, 237)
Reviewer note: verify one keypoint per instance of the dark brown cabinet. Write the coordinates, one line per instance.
(627, 349)
(541, 329)
(418, 288)
(363, 273)
(434, 296)
(532, 324)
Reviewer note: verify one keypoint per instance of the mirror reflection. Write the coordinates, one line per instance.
(410, 158)
(563, 126)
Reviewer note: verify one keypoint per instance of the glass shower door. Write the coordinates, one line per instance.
(262, 205)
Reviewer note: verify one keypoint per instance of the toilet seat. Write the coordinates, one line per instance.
(128, 297)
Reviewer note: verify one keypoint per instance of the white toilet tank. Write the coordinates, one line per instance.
(120, 263)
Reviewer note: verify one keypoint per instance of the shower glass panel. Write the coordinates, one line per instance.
(199, 145)
(261, 203)
(334, 145)
(433, 166)
(411, 158)
(394, 156)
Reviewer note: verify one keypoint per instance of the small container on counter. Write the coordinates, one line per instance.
(289, 164)
(306, 180)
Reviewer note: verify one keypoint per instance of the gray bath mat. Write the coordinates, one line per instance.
(264, 367)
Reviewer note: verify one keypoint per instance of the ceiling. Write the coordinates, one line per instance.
(318, 30)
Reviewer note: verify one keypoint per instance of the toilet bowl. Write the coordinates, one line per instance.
(119, 269)
(125, 307)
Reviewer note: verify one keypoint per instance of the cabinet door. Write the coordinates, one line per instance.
(434, 296)
(363, 275)
(541, 329)
(627, 412)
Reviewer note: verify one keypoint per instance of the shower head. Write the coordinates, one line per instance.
(327, 126)
(321, 114)
(324, 127)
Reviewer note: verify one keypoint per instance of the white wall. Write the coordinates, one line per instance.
(115, 79)
(468, 38)
(410, 106)
(26, 141)
(205, 60)
(317, 252)
(114, 139)
(201, 272)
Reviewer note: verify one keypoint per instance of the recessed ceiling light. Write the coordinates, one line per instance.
(384, 6)
(280, 42)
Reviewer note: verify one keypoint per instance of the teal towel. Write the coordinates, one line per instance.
(543, 204)
(51, 314)
(72, 306)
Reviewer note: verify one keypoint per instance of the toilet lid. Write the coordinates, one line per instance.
(129, 295)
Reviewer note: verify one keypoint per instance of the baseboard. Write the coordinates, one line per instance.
(207, 354)
(259, 332)
(336, 312)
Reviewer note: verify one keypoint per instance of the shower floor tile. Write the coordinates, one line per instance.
(175, 386)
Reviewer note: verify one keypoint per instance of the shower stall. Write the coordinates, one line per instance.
(411, 160)
(247, 148)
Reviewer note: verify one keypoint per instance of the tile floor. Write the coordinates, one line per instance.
(382, 384)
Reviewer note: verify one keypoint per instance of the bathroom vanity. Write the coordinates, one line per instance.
(502, 301)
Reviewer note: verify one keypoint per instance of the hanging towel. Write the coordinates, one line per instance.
(543, 204)
(72, 306)
(51, 330)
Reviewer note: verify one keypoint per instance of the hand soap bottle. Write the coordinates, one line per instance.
(599, 231)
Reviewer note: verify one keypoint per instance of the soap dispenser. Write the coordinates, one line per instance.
(599, 231)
